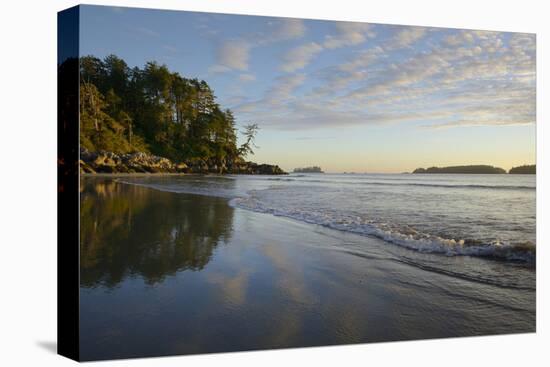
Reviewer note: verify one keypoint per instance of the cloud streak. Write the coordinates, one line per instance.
(460, 79)
(297, 58)
(234, 54)
(349, 34)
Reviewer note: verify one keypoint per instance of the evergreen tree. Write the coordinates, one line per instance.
(155, 110)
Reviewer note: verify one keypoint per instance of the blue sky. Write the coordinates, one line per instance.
(346, 96)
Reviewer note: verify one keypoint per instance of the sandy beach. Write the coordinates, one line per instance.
(195, 275)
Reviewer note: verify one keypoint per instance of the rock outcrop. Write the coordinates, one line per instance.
(139, 162)
(109, 162)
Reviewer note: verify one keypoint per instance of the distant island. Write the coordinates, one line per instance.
(313, 169)
(524, 170)
(473, 169)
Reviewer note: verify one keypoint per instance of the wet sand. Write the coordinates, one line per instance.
(165, 273)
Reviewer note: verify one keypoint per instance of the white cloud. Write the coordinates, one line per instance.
(284, 88)
(363, 60)
(459, 38)
(479, 122)
(287, 29)
(247, 77)
(407, 36)
(298, 57)
(464, 79)
(276, 97)
(302, 114)
(234, 55)
(279, 29)
(349, 34)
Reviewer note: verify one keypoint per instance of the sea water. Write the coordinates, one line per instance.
(490, 216)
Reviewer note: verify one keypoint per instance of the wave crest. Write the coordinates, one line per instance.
(405, 237)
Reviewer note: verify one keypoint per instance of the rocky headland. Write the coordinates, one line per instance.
(139, 162)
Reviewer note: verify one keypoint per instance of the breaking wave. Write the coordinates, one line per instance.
(405, 236)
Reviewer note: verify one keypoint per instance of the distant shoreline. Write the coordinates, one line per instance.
(312, 169)
(476, 169)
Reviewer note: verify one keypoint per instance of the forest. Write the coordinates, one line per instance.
(524, 170)
(154, 110)
(479, 169)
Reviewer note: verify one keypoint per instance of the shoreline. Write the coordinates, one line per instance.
(94, 162)
(153, 174)
(523, 254)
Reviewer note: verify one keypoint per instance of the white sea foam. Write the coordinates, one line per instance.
(405, 237)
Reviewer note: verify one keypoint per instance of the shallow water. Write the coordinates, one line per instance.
(165, 272)
(477, 215)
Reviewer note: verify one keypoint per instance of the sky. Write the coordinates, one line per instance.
(347, 96)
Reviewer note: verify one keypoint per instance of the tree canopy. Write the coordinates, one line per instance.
(312, 169)
(154, 110)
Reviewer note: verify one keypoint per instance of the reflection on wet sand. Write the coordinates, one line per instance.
(133, 231)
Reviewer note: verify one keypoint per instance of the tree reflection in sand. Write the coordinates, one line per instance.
(129, 231)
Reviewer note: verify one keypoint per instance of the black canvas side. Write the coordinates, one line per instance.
(68, 183)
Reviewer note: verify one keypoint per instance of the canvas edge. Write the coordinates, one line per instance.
(68, 247)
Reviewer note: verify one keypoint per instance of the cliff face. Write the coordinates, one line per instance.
(109, 162)
(474, 169)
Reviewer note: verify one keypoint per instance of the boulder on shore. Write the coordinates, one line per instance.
(139, 162)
